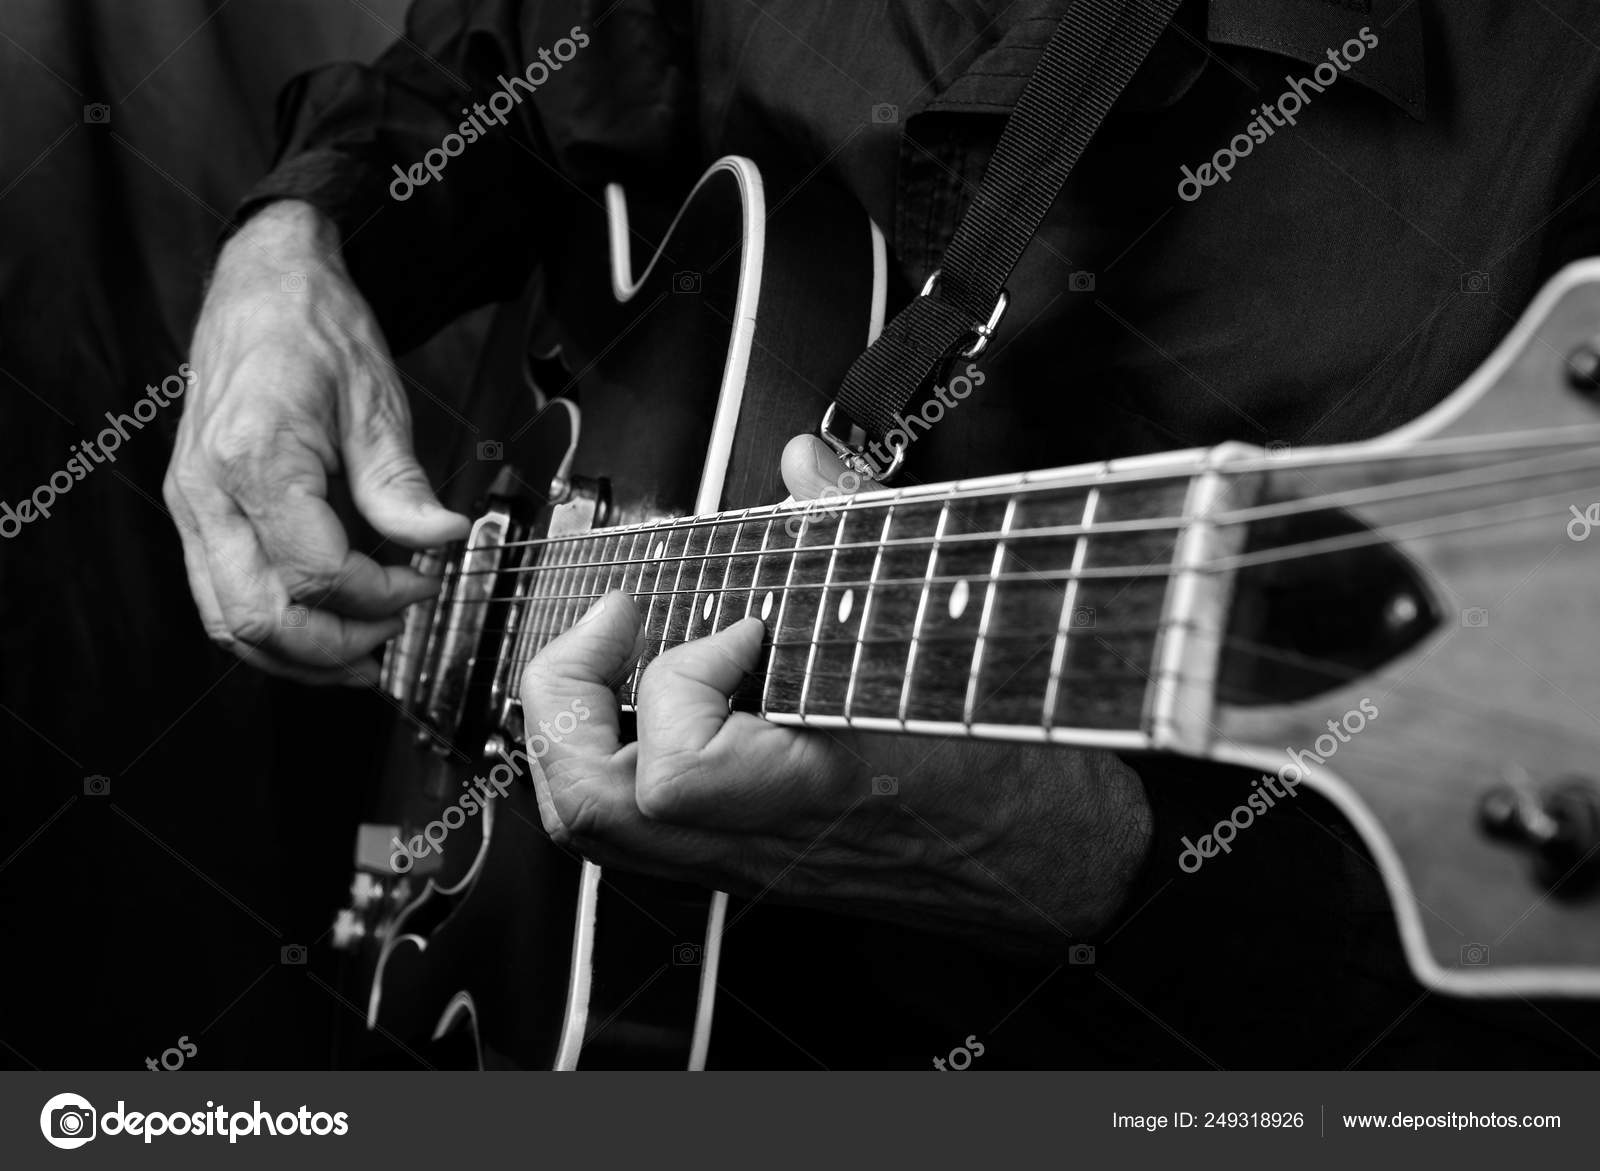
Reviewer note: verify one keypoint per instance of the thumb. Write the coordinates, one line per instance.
(812, 471)
(389, 486)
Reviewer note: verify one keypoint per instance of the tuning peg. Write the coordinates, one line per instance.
(1560, 825)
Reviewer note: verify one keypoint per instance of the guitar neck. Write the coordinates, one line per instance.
(1053, 607)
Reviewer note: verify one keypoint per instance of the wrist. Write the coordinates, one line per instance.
(284, 232)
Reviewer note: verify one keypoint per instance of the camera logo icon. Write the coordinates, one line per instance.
(491, 451)
(1080, 953)
(1474, 282)
(1082, 617)
(97, 114)
(1081, 282)
(686, 955)
(294, 954)
(1474, 616)
(67, 1121)
(883, 785)
(97, 785)
(1474, 955)
(884, 113)
(687, 281)
(292, 282)
(1278, 449)
(294, 616)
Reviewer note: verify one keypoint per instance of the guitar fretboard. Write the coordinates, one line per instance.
(1026, 604)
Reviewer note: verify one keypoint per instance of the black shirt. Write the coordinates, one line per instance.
(1372, 238)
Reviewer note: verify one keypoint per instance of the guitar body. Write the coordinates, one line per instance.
(674, 398)
(1408, 621)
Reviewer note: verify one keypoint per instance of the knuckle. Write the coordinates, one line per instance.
(579, 808)
(311, 574)
(251, 627)
(663, 778)
(537, 682)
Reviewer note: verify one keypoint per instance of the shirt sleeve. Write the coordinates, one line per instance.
(446, 161)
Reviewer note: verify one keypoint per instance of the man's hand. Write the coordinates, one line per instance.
(294, 383)
(1019, 845)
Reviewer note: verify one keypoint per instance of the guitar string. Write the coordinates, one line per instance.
(1560, 437)
(1374, 495)
(1465, 520)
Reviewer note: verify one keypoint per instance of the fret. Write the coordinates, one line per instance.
(755, 571)
(727, 569)
(605, 573)
(685, 600)
(1109, 658)
(1024, 601)
(610, 552)
(703, 602)
(1069, 600)
(922, 608)
(547, 590)
(633, 562)
(837, 635)
(566, 583)
(937, 677)
(657, 546)
(587, 590)
(866, 614)
(794, 527)
(880, 661)
(747, 577)
(824, 607)
(995, 567)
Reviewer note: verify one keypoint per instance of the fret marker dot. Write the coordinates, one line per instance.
(705, 612)
(661, 551)
(958, 598)
(846, 604)
(766, 606)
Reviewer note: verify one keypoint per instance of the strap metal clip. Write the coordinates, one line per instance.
(853, 451)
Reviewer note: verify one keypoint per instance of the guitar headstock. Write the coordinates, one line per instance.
(1414, 631)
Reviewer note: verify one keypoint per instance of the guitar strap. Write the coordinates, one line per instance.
(1089, 60)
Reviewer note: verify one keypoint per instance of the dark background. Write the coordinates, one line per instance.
(160, 909)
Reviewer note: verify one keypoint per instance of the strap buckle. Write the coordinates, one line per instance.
(853, 451)
(981, 331)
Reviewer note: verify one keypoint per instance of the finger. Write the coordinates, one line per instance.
(306, 543)
(811, 471)
(582, 774)
(363, 673)
(702, 766)
(256, 609)
(389, 486)
(576, 670)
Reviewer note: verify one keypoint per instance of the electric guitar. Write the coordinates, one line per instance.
(1433, 588)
